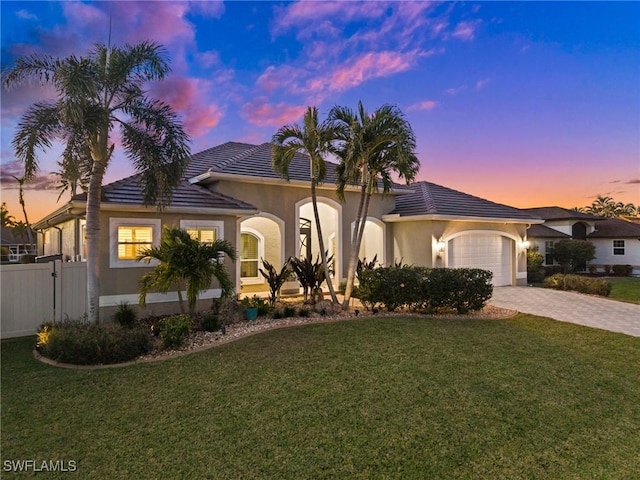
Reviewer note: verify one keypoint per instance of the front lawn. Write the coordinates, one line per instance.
(626, 289)
(524, 397)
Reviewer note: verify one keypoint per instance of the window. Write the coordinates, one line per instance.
(618, 247)
(127, 236)
(249, 255)
(548, 252)
(133, 239)
(203, 230)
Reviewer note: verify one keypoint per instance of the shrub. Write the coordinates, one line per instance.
(174, 329)
(303, 312)
(578, 283)
(607, 269)
(593, 269)
(211, 322)
(125, 315)
(92, 344)
(288, 311)
(427, 289)
(27, 258)
(535, 270)
(262, 304)
(622, 270)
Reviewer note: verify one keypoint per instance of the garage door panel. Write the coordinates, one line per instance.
(489, 252)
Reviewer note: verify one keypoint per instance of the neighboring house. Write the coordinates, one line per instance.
(15, 246)
(617, 241)
(231, 192)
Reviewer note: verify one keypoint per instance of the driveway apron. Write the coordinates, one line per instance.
(571, 307)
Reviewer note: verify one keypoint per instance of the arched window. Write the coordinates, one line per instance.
(249, 255)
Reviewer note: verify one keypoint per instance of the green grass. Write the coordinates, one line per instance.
(405, 398)
(626, 289)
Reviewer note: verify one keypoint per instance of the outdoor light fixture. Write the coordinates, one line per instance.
(440, 248)
(524, 245)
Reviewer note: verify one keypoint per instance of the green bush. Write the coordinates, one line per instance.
(535, 268)
(289, 311)
(125, 315)
(622, 270)
(578, 283)
(211, 322)
(303, 312)
(174, 329)
(425, 289)
(92, 344)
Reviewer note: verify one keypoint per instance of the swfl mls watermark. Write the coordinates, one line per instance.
(38, 466)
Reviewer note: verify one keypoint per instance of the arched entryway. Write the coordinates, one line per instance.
(308, 244)
(373, 241)
(261, 237)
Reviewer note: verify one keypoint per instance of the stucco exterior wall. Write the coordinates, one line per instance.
(281, 200)
(605, 256)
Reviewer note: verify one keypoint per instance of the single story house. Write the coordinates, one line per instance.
(15, 245)
(231, 192)
(617, 240)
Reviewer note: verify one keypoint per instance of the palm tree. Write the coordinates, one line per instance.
(21, 181)
(6, 218)
(95, 93)
(604, 206)
(315, 140)
(372, 148)
(71, 176)
(185, 262)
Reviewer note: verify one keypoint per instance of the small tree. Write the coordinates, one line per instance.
(535, 270)
(185, 261)
(573, 253)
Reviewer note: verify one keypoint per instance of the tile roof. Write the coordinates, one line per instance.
(233, 158)
(431, 199)
(128, 192)
(8, 237)
(542, 231)
(615, 228)
(559, 213)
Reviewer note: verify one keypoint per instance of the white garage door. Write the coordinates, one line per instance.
(489, 252)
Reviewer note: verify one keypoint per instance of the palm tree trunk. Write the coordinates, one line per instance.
(93, 242)
(355, 249)
(323, 254)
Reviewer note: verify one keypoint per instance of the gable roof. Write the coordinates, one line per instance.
(615, 228)
(559, 213)
(9, 237)
(430, 199)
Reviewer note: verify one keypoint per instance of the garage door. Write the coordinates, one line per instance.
(489, 252)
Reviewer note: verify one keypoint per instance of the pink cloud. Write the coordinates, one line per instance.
(310, 17)
(466, 31)
(264, 114)
(424, 105)
(188, 97)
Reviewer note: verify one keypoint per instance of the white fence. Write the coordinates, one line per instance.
(31, 294)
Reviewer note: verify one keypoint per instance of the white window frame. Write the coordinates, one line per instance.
(619, 247)
(259, 279)
(114, 223)
(216, 225)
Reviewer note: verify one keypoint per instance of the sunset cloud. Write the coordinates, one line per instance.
(189, 97)
(15, 168)
(424, 105)
(264, 114)
(466, 31)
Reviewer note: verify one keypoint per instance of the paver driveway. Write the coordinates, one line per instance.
(571, 307)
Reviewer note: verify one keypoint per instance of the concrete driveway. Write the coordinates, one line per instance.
(571, 307)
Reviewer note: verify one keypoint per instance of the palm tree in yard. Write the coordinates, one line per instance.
(95, 94)
(5, 217)
(372, 148)
(185, 262)
(314, 139)
(21, 181)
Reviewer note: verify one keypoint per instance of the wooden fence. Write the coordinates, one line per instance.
(31, 294)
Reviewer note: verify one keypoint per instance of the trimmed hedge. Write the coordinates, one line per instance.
(425, 289)
(622, 270)
(92, 344)
(578, 283)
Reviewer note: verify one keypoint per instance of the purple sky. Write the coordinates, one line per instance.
(523, 103)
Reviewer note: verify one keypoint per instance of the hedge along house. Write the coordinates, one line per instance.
(231, 192)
